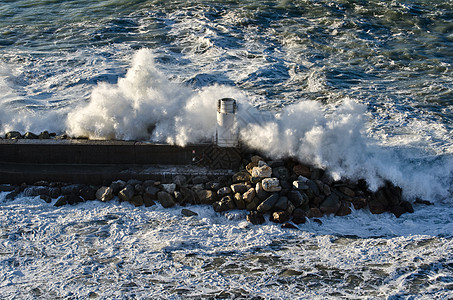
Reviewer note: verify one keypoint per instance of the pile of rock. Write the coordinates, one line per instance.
(45, 135)
(285, 190)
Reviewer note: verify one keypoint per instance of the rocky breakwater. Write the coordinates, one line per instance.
(284, 191)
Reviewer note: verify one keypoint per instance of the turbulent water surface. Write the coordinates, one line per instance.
(362, 88)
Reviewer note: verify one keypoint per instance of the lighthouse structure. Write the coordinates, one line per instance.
(227, 131)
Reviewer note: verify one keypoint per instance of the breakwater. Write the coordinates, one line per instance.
(77, 170)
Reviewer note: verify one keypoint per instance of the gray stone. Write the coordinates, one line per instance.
(139, 188)
(165, 199)
(253, 205)
(188, 213)
(127, 193)
(260, 192)
(87, 192)
(241, 176)
(44, 135)
(30, 136)
(347, 191)
(238, 201)
(255, 218)
(180, 180)
(169, 187)
(271, 185)
(262, 172)
(226, 203)
(281, 173)
(121, 183)
(298, 198)
(224, 191)
(300, 185)
(137, 200)
(268, 204)
(148, 201)
(72, 189)
(206, 196)
(133, 182)
(152, 191)
(13, 135)
(280, 217)
(104, 193)
(200, 179)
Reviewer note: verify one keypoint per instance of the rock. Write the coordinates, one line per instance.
(268, 204)
(188, 213)
(189, 196)
(148, 183)
(407, 206)
(290, 209)
(260, 192)
(299, 220)
(249, 167)
(46, 198)
(137, 200)
(127, 193)
(200, 179)
(104, 193)
(313, 187)
(249, 195)
(359, 202)
(378, 203)
(72, 189)
(344, 210)
(206, 196)
(324, 188)
(330, 205)
(299, 213)
(298, 198)
(180, 180)
(316, 174)
(87, 193)
(238, 201)
(151, 191)
(139, 188)
(271, 185)
(68, 199)
(212, 185)
(281, 173)
(347, 191)
(30, 136)
(302, 170)
(282, 203)
(424, 202)
(256, 158)
(239, 188)
(226, 203)
(44, 135)
(32, 191)
(165, 199)
(280, 217)
(169, 187)
(262, 172)
(13, 135)
(241, 176)
(288, 226)
(397, 210)
(148, 201)
(119, 184)
(315, 212)
(253, 205)
(300, 185)
(133, 182)
(178, 196)
(224, 191)
(255, 218)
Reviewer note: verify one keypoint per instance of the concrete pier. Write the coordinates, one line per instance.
(97, 162)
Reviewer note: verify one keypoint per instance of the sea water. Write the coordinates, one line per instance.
(361, 88)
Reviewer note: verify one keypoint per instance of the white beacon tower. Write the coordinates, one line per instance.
(227, 133)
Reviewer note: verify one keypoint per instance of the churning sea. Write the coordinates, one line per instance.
(361, 88)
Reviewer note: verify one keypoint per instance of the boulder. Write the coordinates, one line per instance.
(249, 195)
(271, 185)
(13, 135)
(280, 217)
(239, 188)
(44, 135)
(315, 212)
(46, 198)
(262, 172)
(169, 187)
(268, 204)
(344, 209)
(224, 191)
(238, 201)
(200, 179)
(151, 191)
(330, 205)
(30, 136)
(255, 218)
(148, 201)
(68, 199)
(282, 203)
(226, 203)
(104, 193)
(127, 193)
(298, 198)
(188, 196)
(302, 170)
(87, 192)
(206, 196)
(253, 204)
(165, 199)
(241, 176)
(137, 200)
(72, 189)
(397, 210)
(139, 188)
(260, 192)
(347, 191)
(180, 180)
(281, 173)
(407, 206)
(300, 220)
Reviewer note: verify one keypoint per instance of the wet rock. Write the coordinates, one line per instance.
(397, 210)
(260, 192)
(104, 193)
(302, 170)
(148, 201)
(200, 179)
(330, 205)
(378, 203)
(224, 191)
(290, 209)
(280, 217)
(32, 191)
(249, 195)
(241, 176)
(133, 182)
(30, 136)
(288, 226)
(127, 193)
(359, 202)
(281, 173)
(137, 200)
(13, 135)
(151, 191)
(298, 198)
(226, 203)
(253, 204)
(180, 180)
(189, 196)
(271, 185)
(165, 199)
(239, 188)
(299, 220)
(255, 218)
(347, 191)
(121, 185)
(344, 210)
(188, 213)
(46, 198)
(72, 189)
(424, 202)
(87, 192)
(300, 185)
(268, 204)
(206, 196)
(407, 206)
(315, 212)
(324, 188)
(139, 188)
